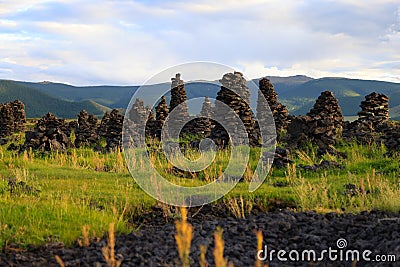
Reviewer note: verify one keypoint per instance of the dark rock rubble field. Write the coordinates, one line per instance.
(154, 243)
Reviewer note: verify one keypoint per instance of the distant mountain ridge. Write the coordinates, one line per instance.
(38, 104)
(297, 92)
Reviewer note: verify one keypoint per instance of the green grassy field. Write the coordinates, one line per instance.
(62, 192)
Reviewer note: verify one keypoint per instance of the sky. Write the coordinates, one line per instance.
(121, 42)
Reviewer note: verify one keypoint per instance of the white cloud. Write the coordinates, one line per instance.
(126, 42)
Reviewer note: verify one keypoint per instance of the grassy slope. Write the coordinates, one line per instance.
(104, 95)
(37, 104)
(72, 194)
(350, 93)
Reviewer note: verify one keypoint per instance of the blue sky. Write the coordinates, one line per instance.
(126, 42)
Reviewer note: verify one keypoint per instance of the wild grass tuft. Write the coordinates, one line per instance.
(220, 260)
(109, 250)
(85, 233)
(59, 261)
(183, 238)
(202, 259)
(259, 236)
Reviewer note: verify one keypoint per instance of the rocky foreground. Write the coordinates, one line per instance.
(154, 243)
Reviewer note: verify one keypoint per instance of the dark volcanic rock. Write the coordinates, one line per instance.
(279, 111)
(281, 157)
(282, 230)
(179, 106)
(19, 115)
(236, 95)
(138, 112)
(201, 125)
(390, 135)
(6, 121)
(102, 129)
(325, 164)
(12, 118)
(86, 131)
(161, 115)
(151, 125)
(321, 126)
(113, 133)
(375, 108)
(371, 120)
(49, 134)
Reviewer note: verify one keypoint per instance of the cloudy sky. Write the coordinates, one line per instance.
(120, 42)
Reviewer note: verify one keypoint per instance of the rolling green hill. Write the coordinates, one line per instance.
(38, 104)
(298, 93)
(350, 93)
(108, 96)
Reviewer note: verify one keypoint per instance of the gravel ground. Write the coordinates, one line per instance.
(154, 243)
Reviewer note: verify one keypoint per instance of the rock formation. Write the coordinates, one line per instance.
(138, 112)
(390, 136)
(161, 115)
(6, 121)
(86, 132)
(151, 125)
(113, 133)
(19, 115)
(200, 126)
(235, 94)
(178, 105)
(373, 116)
(321, 126)
(203, 124)
(12, 118)
(375, 108)
(102, 129)
(279, 111)
(49, 134)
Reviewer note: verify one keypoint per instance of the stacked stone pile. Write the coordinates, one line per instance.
(375, 108)
(138, 112)
(86, 132)
(390, 136)
(327, 107)
(202, 124)
(6, 120)
(139, 118)
(298, 131)
(12, 118)
(73, 125)
(113, 134)
(373, 116)
(102, 129)
(235, 94)
(360, 130)
(178, 105)
(49, 134)
(279, 111)
(178, 92)
(206, 109)
(328, 115)
(161, 115)
(321, 126)
(151, 125)
(19, 115)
